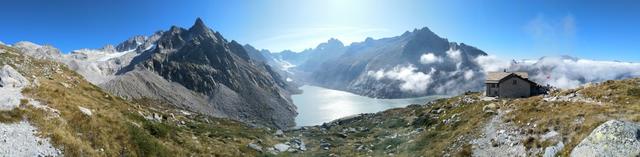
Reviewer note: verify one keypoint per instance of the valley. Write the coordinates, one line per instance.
(192, 92)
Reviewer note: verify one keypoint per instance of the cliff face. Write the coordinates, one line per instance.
(235, 85)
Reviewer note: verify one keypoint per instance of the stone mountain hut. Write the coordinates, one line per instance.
(512, 85)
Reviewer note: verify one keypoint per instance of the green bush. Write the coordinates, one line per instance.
(158, 130)
(424, 120)
(146, 144)
(634, 92)
(394, 123)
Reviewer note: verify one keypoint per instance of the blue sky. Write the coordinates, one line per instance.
(602, 30)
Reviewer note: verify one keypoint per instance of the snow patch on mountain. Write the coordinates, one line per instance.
(286, 66)
(108, 56)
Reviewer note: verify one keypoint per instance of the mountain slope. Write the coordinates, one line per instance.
(194, 69)
(417, 63)
(80, 119)
(237, 87)
(566, 122)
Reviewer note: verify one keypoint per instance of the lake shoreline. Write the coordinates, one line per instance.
(317, 105)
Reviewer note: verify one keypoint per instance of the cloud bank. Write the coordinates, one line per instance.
(561, 72)
(412, 79)
(568, 72)
(429, 58)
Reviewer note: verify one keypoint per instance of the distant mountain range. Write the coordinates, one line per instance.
(416, 63)
(197, 69)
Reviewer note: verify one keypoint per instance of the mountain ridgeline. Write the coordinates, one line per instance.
(194, 69)
(234, 85)
(372, 67)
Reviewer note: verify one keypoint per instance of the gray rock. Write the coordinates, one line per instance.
(157, 117)
(11, 84)
(85, 111)
(21, 139)
(612, 138)
(9, 77)
(325, 145)
(551, 151)
(255, 147)
(281, 147)
(279, 133)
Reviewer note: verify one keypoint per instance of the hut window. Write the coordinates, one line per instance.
(515, 81)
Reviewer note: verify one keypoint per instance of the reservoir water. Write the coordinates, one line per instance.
(317, 105)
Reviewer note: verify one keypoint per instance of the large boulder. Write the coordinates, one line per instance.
(11, 78)
(612, 138)
(11, 84)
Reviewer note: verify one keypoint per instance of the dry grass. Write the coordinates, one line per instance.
(576, 120)
(441, 137)
(436, 139)
(116, 127)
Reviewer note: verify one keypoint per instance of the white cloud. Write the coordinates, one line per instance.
(429, 58)
(454, 54)
(564, 72)
(468, 74)
(491, 63)
(412, 79)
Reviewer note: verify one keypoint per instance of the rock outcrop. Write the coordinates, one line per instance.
(20, 139)
(11, 84)
(11, 78)
(612, 138)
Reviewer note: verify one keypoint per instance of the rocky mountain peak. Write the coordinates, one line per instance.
(175, 30)
(200, 29)
(131, 43)
(199, 23)
(201, 60)
(331, 43)
(109, 48)
(425, 32)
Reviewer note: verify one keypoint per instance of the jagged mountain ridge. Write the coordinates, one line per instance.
(237, 86)
(194, 69)
(354, 68)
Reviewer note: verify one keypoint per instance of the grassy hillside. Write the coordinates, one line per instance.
(458, 126)
(117, 127)
(470, 124)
